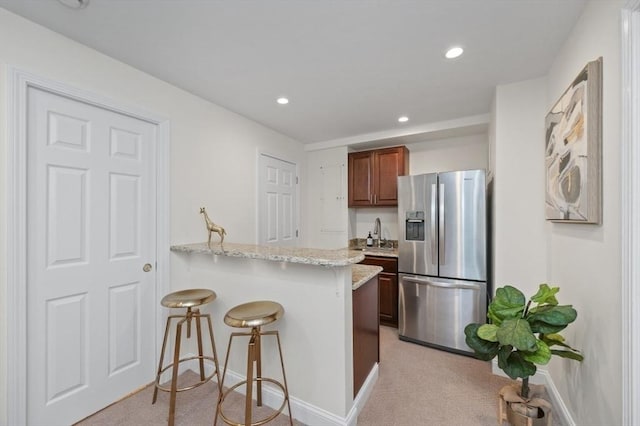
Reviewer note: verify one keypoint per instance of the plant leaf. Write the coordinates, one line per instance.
(488, 332)
(513, 364)
(509, 302)
(546, 294)
(549, 319)
(484, 350)
(555, 339)
(568, 354)
(541, 356)
(517, 333)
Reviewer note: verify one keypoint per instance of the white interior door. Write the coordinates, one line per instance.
(277, 202)
(90, 230)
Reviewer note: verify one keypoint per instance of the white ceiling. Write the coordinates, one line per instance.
(350, 68)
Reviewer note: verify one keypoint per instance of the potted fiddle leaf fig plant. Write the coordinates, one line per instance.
(522, 334)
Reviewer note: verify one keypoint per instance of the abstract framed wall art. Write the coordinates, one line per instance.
(574, 150)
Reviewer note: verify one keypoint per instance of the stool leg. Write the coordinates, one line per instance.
(224, 373)
(284, 378)
(174, 374)
(258, 357)
(164, 345)
(251, 357)
(189, 316)
(215, 353)
(199, 336)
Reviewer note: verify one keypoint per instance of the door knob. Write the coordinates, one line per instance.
(147, 267)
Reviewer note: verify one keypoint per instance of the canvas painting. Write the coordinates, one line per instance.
(574, 150)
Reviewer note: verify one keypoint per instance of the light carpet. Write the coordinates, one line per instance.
(416, 386)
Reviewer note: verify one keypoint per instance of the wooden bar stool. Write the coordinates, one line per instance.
(189, 299)
(254, 315)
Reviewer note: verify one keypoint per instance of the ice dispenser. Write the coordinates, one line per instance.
(414, 226)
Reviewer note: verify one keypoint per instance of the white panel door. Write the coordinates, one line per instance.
(277, 202)
(91, 228)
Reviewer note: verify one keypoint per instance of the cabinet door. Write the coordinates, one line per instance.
(388, 165)
(388, 299)
(366, 337)
(360, 179)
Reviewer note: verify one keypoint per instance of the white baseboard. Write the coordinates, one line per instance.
(301, 410)
(542, 377)
(362, 397)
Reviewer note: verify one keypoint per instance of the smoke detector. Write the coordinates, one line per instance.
(75, 4)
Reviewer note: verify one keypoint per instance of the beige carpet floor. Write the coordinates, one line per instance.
(416, 386)
(193, 408)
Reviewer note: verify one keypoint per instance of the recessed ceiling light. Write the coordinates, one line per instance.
(282, 101)
(454, 52)
(403, 119)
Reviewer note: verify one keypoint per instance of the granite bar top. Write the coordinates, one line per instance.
(360, 274)
(374, 251)
(307, 256)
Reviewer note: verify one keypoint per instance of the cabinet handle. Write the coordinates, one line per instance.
(375, 198)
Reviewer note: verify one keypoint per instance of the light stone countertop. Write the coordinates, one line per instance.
(360, 274)
(307, 256)
(373, 251)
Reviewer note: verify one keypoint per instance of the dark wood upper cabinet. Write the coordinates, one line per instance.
(373, 176)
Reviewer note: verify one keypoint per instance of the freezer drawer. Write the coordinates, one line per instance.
(434, 311)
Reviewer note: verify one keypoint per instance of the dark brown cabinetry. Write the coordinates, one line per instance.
(373, 176)
(388, 288)
(366, 338)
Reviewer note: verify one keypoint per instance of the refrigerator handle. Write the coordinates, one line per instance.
(433, 240)
(441, 225)
(424, 281)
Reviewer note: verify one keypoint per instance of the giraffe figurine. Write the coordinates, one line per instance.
(212, 227)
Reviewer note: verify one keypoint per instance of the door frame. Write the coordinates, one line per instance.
(259, 154)
(18, 82)
(630, 217)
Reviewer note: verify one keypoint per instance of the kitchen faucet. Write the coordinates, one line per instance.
(377, 230)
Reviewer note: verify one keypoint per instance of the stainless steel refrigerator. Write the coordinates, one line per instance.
(442, 259)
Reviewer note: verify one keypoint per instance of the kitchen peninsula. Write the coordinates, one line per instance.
(316, 288)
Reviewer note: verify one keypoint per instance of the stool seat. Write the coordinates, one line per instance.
(254, 314)
(188, 298)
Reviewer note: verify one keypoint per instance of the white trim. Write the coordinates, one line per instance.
(16, 303)
(560, 409)
(18, 82)
(630, 216)
(542, 377)
(362, 397)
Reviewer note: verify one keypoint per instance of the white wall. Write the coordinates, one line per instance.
(584, 260)
(326, 217)
(519, 243)
(362, 220)
(443, 155)
(213, 151)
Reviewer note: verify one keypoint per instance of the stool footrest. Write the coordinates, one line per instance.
(199, 383)
(257, 422)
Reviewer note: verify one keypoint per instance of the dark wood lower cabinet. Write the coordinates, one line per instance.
(388, 299)
(366, 341)
(388, 288)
